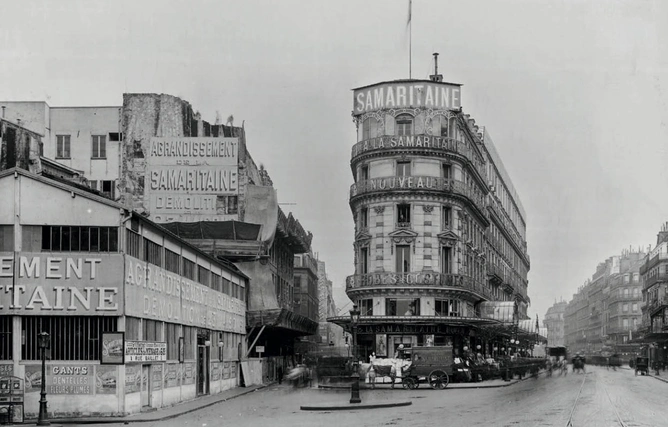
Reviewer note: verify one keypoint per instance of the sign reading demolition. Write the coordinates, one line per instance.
(414, 94)
(192, 179)
(61, 284)
(155, 293)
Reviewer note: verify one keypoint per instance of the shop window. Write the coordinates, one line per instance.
(65, 238)
(366, 307)
(403, 258)
(99, 148)
(7, 238)
(404, 125)
(402, 307)
(63, 146)
(72, 337)
(5, 337)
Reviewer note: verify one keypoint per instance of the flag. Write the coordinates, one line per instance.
(410, 6)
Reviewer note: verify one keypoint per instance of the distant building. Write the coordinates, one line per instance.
(554, 322)
(329, 333)
(654, 273)
(306, 298)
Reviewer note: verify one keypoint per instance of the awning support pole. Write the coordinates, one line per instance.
(250, 348)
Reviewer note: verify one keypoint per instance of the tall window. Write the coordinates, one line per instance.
(366, 307)
(403, 168)
(189, 270)
(364, 217)
(439, 126)
(364, 172)
(404, 214)
(172, 261)
(5, 338)
(64, 238)
(99, 147)
(369, 128)
(364, 260)
(404, 125)
(625, 308)
(446, 218)
(446, 170)
(403, 258)
(625, 323)
(62, 146)
(447, 307)
(152, 252)
(446, 260)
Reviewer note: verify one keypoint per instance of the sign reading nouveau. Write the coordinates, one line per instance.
(155, 293)
(61, 284)
(190, 178)
(413, 94)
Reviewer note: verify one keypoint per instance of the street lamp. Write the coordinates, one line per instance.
(355, 386)
(43, 340)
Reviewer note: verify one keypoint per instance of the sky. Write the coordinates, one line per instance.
(573, 93)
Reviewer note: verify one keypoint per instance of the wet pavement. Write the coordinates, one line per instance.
(604, 397)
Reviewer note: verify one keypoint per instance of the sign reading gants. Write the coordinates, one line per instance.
(155, 293)
(407, 94)
(190, 179)
(62, 284)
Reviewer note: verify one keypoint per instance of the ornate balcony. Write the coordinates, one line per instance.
(651, 281)
(652, 263)
(417, 279)
(495, 273)
(420, 145)
(417, 183)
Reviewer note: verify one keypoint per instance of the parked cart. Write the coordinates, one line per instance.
(433, 365)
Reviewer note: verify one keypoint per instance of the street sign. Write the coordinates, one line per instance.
(259, 349)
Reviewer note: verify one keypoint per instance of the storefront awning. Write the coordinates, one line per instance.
(344, 321)
(282, 318)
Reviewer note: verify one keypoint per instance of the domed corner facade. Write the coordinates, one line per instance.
(440, 247)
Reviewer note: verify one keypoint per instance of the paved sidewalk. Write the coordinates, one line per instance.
(483, 384)
(163, 413)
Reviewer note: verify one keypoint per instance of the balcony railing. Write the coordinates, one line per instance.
(496, 273)
(652, 262)
(651, 281)
(422, 143)
(420, 183)
(615, 297)
(418, 279)
(509, 227)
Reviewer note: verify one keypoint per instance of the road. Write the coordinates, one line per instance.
(601, 395)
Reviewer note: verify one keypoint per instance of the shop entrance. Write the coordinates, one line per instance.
(394, 341)
(203, 346)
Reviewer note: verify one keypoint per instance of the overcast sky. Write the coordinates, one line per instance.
(573, 93)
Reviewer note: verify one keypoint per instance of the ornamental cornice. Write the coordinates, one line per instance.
(398, 197)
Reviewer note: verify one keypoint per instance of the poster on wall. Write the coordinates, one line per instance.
(156, 372)
(145, 351)
(106, 378)
(215, 371)
(189, 374)
(17, 412)
(381, 345)
(6, 370)
(132, 378)
(113, 345)
(226, 370)
(171, 375)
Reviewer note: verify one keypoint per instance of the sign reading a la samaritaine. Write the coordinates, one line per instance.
(145, 351)
(61, 284)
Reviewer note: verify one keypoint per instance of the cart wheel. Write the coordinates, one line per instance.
(410, 383)
(438, 379)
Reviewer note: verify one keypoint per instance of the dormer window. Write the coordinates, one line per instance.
(404, 125)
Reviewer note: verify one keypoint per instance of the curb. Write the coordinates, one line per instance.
(127, 420)
(352, 407)
(509, 383)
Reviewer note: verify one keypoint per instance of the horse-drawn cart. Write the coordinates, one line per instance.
(430, 364)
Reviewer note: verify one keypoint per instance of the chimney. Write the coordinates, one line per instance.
(436, 77)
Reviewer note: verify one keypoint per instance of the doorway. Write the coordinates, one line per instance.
(203, 356)
(145, 395)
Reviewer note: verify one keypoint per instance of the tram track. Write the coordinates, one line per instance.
(619, 419)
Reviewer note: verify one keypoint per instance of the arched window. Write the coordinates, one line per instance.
(440, 126)
(404, 125)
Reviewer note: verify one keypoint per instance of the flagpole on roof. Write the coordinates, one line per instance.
(410, 40)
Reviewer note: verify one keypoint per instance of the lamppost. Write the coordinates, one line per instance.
(43, 340)
(355, 386)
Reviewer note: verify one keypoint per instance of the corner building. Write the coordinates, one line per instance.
(439, 229)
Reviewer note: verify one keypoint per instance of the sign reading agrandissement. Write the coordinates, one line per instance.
(190, 179)
(61, 284)
(145, 351)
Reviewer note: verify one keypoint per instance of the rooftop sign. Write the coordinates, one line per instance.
(407, 94)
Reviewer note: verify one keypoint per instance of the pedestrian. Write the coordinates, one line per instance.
(280, 374)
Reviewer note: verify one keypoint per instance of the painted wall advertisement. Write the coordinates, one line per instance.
(6, 370)
(188, 373)
(145, 351)
(215, 371)
(106, 378)
(171, 375)
(132, 378)
(60, 379)
(154, 293)
(62, 284)
(113, 348)
(189, 178)
(156, 374)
